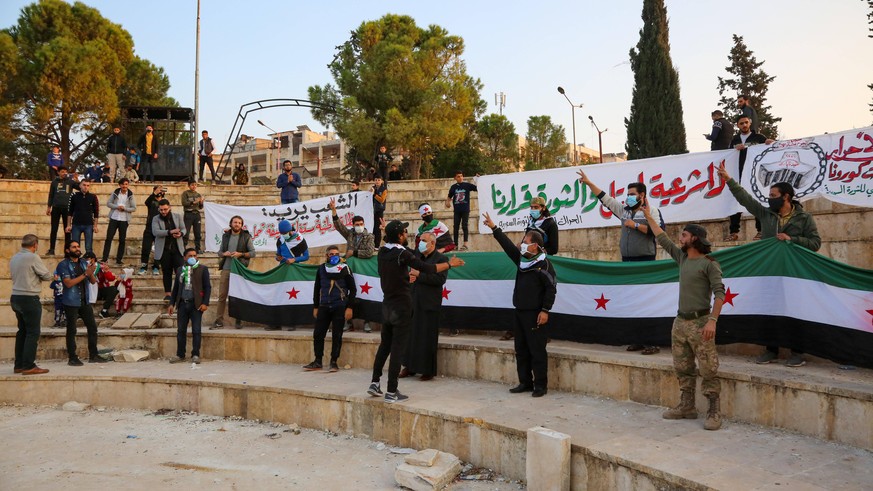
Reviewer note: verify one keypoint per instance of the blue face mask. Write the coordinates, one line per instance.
(632, 200)
(535, 214)
(333, 260)
(422, 247)
(192, 261)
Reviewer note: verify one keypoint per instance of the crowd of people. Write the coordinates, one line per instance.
(411, 273)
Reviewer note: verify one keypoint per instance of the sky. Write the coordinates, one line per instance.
(262, 49)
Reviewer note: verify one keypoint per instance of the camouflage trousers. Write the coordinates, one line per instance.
(688, 344)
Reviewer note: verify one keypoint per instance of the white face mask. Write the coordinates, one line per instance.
(359, 229)
(523, 248)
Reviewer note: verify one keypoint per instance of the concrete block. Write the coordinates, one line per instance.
(146, 321)
(548, 460)
(126, 321)
(443, 471)
(423, 458)
(130, 355)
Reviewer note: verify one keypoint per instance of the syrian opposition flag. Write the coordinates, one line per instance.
(778, 293)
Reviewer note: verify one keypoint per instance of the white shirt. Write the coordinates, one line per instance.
(118, 215)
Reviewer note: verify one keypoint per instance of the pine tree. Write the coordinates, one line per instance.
(747, 78)
(655, 125)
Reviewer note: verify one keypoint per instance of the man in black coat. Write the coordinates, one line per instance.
(427, 298)
(532, 297)
(742, 141)
(722, 131)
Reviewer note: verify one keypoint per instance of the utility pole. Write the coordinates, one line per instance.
(197, 94)
(573, 112)
(599, 136)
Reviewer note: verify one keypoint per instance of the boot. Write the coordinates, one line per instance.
(685, 409)
(713, 418)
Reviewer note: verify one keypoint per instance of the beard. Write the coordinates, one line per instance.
(685, 248)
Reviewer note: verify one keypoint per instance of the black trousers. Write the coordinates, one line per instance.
(188, 312)
(735, 223)
(395, 331)
(462, 219)
(204, 161)
(28, 312)
(120, 227)
(377, 232)
(170, 262)
(59, 218)
(87, 315)
(192, 222)
(147, 241)
(107, 294)
(531, 359)
(327, 317)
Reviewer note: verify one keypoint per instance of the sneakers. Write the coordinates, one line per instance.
(195, 359)
(218, 324)
(35, 371)
(795, 360)
(104, 314)
(375, 390)
(333, 367)
(141, 271)
(156, 271)
(348, 327)
(392, 397)
(313, 367)
(75, 362)
(766, 357)
(454, 332)
(463, 247)
(731, 237)
(176, 359)
(97, 359)
(367, 327)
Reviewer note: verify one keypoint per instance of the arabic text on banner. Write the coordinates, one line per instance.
(837, 167)
(312, 218)
(684, 187)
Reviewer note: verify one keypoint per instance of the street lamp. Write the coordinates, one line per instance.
(573, 113)
(278, 145)
(599, 136)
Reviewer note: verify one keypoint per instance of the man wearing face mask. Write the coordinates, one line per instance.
(444, 242)
(334, 298)
(394, 263)
(75, 277)
(542, 222)
(637, 242)
(359, 243)
(532, 297)
(427, 298)
(291, 248)
(190, 296)
(785, 219)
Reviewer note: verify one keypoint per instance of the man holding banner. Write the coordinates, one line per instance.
(291, 248)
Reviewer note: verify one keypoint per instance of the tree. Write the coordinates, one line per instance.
(655, 126)
(74, 70)
(546, 144)
(466, 156)
(747, 78)
(499, 143)
(402, 86)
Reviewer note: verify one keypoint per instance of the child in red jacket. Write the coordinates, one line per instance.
(125, 291)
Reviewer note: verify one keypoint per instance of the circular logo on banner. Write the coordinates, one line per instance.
(801, 163)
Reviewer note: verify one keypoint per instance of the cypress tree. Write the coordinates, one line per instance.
(655, 125)
(748, 79)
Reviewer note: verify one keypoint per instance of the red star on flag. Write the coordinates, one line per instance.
(601, 302)
(871, 313)
(293, 293)
(437, 231)
(446, 292)
(365, 288)
(729, 297)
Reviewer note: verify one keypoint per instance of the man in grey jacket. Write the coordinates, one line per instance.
(637, 241)
(168, 229)
(27, 271)
(122, 204)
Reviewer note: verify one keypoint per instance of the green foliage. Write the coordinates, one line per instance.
(747, 78)
(655, 126)
(499, 142)
(546, 144)
(402, 86)
(466, 156)
(74, 69)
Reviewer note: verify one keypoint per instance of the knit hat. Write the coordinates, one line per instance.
(285, 227)
(699, 232)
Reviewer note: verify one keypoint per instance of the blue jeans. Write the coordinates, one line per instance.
(77, 232)
(188, 312)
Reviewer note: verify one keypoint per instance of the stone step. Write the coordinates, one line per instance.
(614, 444)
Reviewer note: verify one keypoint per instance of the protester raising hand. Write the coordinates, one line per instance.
(723, 173)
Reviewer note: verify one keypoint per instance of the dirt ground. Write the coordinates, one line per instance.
(45, 447)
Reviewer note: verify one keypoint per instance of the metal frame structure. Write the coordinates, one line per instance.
(171, 117)
(255, 106)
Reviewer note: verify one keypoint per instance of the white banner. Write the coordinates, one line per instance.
(312, 218)
(837, 167)
(684, 187)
